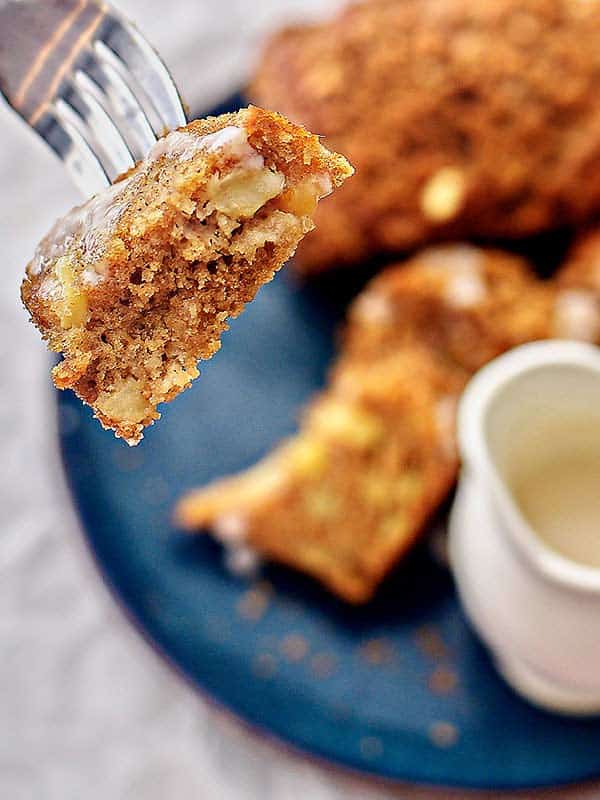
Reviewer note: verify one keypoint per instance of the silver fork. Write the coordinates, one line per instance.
(88, 83)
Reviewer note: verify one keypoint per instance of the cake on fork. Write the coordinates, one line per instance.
(136, 286)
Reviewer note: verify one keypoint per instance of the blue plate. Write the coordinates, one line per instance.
(400, 688)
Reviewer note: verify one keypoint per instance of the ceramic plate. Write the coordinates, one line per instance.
(400, 688)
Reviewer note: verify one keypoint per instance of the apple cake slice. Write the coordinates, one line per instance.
(136, 285)
(347, 496)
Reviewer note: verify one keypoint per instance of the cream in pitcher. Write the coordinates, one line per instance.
(554, 479)
(561, 502)
(525, 527)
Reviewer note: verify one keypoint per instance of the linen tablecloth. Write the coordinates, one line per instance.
(86, 709)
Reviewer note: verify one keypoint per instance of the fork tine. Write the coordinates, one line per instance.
(118, 99)
(82, 164)
(141, 60)
(99, 130)
(68, 67)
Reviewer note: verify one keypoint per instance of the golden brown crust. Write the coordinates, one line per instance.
(135, 286)
(463, 119)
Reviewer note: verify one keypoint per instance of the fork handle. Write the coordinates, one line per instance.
(37, 50)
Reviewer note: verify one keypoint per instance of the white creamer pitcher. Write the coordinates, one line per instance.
(525, 526)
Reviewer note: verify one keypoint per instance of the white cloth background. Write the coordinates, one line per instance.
(86, 709)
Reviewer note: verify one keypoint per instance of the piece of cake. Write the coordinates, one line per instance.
(136, 285)
(467, 303)
(463, 118)
(471, 304)
(347, 496)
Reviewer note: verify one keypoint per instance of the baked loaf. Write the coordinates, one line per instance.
(137, 285)
(464, 119)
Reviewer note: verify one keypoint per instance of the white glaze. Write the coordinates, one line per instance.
(50, 288)
(463, 264)
(561, 501)
(466, 288)
(184, 146)
(323, 183)
(374, 308)
(94, 222)
(90, 223)
(234, 140)
(230, 528)
(453, 257)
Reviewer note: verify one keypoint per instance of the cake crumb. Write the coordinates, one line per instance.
(136, 286)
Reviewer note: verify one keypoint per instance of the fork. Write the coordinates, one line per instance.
(88, 83)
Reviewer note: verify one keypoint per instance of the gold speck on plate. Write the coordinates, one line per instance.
(254, 602)
(443, 734)
(443, 680)
(264, 665)
(323, 665)
(378, 652)
(429, 641)
(294, 647)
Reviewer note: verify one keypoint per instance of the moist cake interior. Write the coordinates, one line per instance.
(137, 285)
